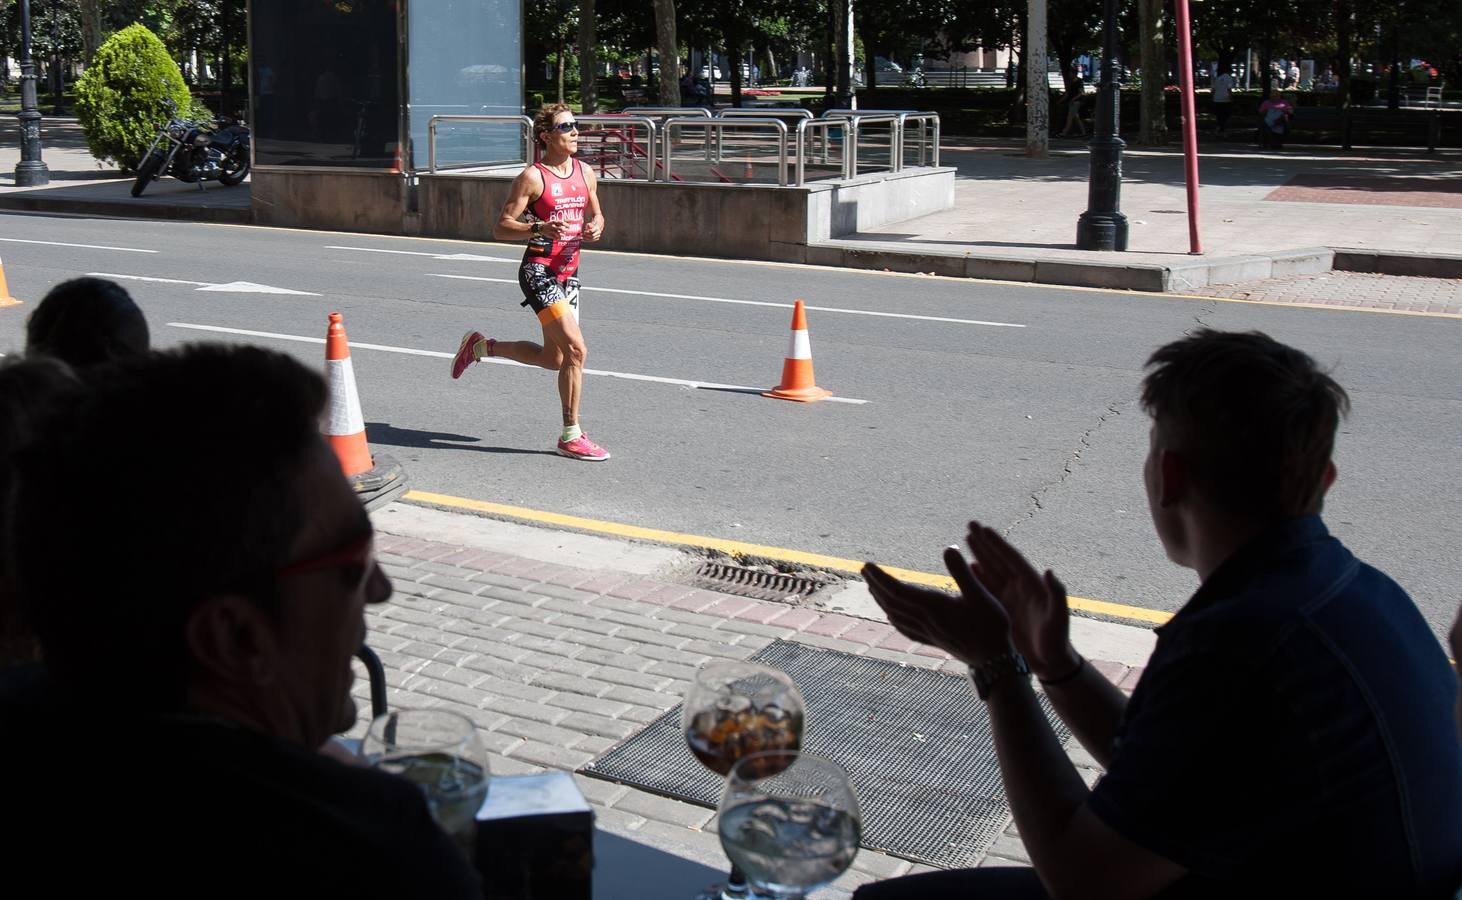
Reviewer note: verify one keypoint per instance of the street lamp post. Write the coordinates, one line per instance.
(1102, 226)
(30, 171)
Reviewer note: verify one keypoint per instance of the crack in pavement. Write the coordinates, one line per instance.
(1083, 443)
(1198, 317)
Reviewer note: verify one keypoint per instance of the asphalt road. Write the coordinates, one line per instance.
(1016, 404)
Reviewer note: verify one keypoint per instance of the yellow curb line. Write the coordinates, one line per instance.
(741, 548)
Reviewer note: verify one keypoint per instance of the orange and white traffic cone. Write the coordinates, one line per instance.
(5, 298)
(345, 426)
(377, 480)
(797, 381)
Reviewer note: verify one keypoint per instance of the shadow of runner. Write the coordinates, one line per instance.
(391, 436)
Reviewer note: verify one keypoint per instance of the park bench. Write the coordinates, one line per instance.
(1371, 126)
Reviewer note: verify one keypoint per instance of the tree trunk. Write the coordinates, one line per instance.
(733, 59)
(1153, 58)
(669, 52)
(1344, 32)
(588, 59)
(1038, 85)
(91, 29)
(563, 51)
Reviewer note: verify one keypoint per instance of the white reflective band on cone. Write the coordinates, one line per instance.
(345, 418)
(800, 347)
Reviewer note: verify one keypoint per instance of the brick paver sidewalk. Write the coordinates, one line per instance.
(556, 664)
(1356, 290)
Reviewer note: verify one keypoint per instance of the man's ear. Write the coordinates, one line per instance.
(1173, 483)
(231, 640)
(1330, 475)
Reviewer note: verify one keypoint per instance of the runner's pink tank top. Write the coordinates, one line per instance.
(564, 199)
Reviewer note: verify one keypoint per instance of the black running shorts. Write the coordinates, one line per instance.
(548, 297)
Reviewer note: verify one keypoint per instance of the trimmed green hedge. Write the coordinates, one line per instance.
(119, 97)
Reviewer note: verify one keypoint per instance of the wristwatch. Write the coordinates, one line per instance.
(989, 673)
(537, 229)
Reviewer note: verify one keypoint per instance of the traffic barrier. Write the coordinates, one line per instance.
(5, 298)
(797, 380)
(377, 479)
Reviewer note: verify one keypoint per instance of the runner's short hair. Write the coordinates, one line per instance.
(1255, 418)
(543, 121)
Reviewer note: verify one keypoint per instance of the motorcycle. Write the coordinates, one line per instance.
(194, 152)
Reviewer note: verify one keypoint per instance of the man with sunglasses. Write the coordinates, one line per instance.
(560, 195)
(196, 569)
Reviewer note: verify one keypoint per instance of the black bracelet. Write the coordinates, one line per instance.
(1069, 676)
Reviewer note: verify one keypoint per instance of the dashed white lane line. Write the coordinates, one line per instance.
(464, 257)
(82, 246)
(831, 309)
(439, 354)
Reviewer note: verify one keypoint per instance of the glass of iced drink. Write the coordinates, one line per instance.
(732, 711)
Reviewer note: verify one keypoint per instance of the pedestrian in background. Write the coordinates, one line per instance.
(1223, 85)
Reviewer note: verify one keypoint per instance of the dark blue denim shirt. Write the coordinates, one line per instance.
(1293, 733)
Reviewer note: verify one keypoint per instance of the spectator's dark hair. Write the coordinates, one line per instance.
(1256, 419)
(172, 480)
(86, 321)
(30, 391)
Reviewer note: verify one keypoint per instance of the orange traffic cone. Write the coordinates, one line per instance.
(345, 427)
(797, 381)
(5, 298)
(750, 172)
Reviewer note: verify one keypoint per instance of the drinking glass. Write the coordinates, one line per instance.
(791, 831)
(439, 752)
(735, 709)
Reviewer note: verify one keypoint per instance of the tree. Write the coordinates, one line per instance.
(1038, 89)
(588, 59)
(119, 98)
(669, 53)
(1152, 57)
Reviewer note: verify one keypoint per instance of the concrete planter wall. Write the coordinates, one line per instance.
(730, 220)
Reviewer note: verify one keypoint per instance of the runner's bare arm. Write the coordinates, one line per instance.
(594, 224)
(525, 189)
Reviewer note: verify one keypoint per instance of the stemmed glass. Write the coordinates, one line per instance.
(440, 752)
(791, 831)
(735, 709)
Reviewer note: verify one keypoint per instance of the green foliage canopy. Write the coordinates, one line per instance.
(119, 97)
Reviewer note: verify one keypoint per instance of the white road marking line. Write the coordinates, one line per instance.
(465, 257)
(83, 246)
(831, 309)
(439, 354)
(232, 287)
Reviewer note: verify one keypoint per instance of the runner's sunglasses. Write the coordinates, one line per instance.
(565, 127)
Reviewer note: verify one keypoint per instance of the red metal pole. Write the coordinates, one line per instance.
(1190, 121)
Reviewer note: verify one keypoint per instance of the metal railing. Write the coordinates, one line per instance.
(928, 135)
(719, 125)
(857, 118)
(807, 130)
(525, 132)
(628, 146)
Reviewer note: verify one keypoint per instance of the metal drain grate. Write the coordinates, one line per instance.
(917, 744)
(777, 587)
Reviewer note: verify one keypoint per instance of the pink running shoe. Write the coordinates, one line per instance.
(582, 448)
(465, 355)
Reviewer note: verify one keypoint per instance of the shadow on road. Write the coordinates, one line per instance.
(391, 436)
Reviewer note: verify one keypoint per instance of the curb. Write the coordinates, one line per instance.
(1151, 278)
(1416, 265)
(139, 210)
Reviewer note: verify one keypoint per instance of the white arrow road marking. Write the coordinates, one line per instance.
(409, 351)
(831, 309)
(83, 246)
(233, 287)
(464, 257)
